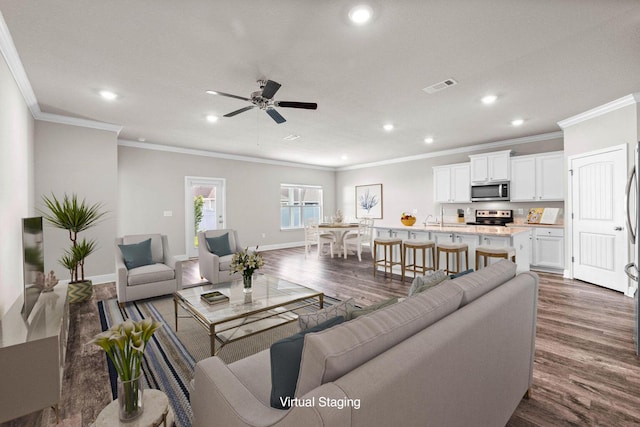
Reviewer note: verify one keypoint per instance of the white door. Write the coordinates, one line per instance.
(204, 209)
(599, 238)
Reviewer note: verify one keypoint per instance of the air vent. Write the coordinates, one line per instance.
(291, 137)
(439, 86)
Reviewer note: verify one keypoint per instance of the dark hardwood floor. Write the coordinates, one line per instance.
(586, 371)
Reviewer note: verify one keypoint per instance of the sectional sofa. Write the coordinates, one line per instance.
(458, 354)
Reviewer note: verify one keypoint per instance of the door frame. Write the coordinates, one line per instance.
(569, 226)
(189, 181)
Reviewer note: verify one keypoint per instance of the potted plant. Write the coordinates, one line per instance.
(74, 216)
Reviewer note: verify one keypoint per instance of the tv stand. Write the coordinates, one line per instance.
(32, 354)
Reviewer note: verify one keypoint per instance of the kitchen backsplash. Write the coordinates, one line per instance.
(520, 210)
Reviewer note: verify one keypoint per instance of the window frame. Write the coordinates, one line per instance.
(296, 209)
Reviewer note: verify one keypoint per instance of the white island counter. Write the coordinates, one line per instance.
(472, 235)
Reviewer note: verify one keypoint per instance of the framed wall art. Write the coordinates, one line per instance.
(369, 201)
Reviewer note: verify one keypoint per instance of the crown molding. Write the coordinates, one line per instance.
(625, 101)
(460, 150)
(75, 121)
(12, 58)
(205, 153)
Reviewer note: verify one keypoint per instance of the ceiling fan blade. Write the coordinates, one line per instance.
(291, 104)
(242, 110)
(270, 89)
(275, 115)
(215, 92)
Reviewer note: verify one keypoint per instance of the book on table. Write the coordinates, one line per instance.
(214, 297)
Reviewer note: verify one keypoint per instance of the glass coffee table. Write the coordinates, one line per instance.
(271, 303)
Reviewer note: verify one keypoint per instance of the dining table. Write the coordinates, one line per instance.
(339, 230)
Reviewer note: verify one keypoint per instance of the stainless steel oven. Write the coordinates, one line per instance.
(488, 192)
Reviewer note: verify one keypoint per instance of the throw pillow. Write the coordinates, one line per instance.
(137, 254)
(373, 307)
(306, 321)
(219, 245)
(285, 364)
(421, 283)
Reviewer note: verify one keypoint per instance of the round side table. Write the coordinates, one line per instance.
(157, 412)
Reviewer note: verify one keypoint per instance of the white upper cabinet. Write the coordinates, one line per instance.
(490, 167)
(451, 183)
(537, 177)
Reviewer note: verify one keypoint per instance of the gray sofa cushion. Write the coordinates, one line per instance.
(150, 273)
(225, 263)
(480, 282)
(329, 354)
(422, 283)
(285, 363)
(136, 254)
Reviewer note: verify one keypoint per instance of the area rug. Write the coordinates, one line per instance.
(170, 356)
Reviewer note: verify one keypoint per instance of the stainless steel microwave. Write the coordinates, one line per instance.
(488, 192)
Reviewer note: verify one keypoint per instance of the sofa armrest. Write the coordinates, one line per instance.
(121, 281)
(219, 395)
(209, 264)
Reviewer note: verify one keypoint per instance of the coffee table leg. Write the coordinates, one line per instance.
(212, 336)
(175, 311)
(321, 301)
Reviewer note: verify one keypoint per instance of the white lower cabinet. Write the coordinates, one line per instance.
(548, 248)
(472, 241)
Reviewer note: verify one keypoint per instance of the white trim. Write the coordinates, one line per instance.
(459, 150)
(206, 153)
(74, 121)
(625, 101)
(103, 278)
(8, 49)
(278, 246)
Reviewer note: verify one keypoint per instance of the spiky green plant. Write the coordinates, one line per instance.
(74, 216)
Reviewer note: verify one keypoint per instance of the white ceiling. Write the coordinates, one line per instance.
(547, 60)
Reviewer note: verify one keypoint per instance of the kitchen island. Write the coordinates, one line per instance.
(472, 235)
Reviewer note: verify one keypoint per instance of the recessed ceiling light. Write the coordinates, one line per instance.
(489, 99)
(388, 127)
(142, 139)
(517, 122)
(344, 157)
(211, 118)
(211, 92)
(108, 95)
(428, 140)
(360, 14)
(291, 137)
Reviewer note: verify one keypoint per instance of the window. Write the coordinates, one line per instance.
(299, 203)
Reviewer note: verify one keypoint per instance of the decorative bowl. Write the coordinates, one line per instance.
(408, 222)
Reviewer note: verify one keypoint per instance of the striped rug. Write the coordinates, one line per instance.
(170, 356)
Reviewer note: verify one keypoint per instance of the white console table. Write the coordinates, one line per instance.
(32, 354)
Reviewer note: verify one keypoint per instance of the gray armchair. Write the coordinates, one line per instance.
(161, 275)
(213, 267)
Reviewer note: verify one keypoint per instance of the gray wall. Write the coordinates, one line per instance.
(409, 185)
(71, 159)
(16, 184)
(151, 182)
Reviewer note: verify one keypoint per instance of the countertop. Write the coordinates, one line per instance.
(459, 228)
(518, 224)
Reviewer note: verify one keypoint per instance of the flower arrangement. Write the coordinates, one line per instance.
(246, 262)
(124, 344)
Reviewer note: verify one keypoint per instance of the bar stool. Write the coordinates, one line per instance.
(387, 244)
(456, 249)
(418, 245)
(494, 252)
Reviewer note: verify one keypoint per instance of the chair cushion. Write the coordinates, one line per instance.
(136, 254)
(422, 283)
(225, 263)
(285, 363)
(219, 245)
(157, 249)
(150, 274)
(344, 309)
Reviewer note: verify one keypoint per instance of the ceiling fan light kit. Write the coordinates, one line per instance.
(263, 99)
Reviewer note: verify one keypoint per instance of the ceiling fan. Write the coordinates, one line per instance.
(263, 99)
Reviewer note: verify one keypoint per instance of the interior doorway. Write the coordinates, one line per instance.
(204, 209)
(598, 235)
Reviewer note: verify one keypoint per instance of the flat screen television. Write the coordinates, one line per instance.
(33, 262)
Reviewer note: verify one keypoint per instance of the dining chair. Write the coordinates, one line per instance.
(358, 238)
(313, 236)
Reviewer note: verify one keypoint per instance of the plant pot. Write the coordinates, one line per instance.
(129, 399)
(80, 291)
